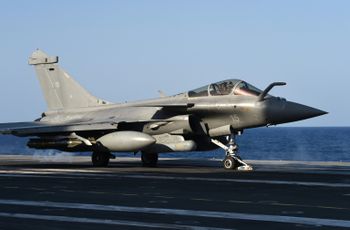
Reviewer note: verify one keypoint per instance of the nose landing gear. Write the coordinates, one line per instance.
(232, 160)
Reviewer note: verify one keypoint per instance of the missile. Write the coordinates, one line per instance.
(63, 144)
(126, 141)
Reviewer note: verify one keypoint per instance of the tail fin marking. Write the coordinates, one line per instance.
(60, 90)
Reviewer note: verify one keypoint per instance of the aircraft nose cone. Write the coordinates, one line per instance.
(292, 111)
(300, 112)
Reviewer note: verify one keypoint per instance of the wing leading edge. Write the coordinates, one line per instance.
(38, 128)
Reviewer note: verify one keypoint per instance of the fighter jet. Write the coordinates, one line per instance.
(202, 119)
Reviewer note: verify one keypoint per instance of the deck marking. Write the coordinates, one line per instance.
(104, 221)
(275, 182)
(13, 173)
(183, 212)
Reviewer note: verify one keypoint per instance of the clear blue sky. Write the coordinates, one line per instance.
(127, 50)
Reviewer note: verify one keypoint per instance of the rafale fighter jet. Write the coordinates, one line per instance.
(198, 120)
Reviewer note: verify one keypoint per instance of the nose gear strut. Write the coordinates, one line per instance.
(232, 159)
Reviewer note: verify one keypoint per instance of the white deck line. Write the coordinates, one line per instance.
(275, 182)
(55, 174)
(71, 219)
(183, 212)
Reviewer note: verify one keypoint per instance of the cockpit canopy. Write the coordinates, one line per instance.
(227, 87)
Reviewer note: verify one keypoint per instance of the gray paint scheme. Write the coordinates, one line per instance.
(77, 121)
(60, 90)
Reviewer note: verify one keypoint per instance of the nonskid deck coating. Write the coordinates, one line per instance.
(178, 194)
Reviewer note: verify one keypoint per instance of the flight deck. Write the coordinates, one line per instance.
(67, 192)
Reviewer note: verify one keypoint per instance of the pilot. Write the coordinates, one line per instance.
(224, 88)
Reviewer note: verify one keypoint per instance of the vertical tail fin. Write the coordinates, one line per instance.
(60, 90)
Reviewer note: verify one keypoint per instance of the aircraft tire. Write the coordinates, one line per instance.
(149, 159)
(100, 159)
(230, 163)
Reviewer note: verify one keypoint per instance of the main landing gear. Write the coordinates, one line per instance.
(101, 155)
(149, 159)
(232, 160)
(101, 158)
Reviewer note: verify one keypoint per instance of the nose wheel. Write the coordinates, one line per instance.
(232, 161)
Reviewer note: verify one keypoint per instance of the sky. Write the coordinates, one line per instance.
(128, 50)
